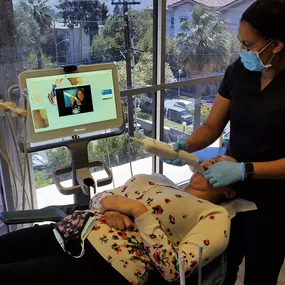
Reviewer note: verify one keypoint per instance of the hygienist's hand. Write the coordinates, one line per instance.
(118, 220)
(123, 205)
(225, 173)
(180, 145)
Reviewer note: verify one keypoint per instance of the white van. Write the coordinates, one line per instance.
(187, 105)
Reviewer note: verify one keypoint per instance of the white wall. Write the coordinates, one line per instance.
(79, 40)
(234, 13)
(231, 14)
(169, 29)
(178, 12)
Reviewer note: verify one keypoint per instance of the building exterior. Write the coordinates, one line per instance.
(78, 42)
(179, 11)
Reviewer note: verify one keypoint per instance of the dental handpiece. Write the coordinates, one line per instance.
(68, 95)
(166, 151)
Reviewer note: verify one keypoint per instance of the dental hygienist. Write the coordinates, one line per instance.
(252, 99)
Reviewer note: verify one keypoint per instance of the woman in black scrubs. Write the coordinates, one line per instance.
(252, 98)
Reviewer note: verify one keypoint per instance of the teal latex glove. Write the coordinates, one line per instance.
(180, 145)
(225, 173)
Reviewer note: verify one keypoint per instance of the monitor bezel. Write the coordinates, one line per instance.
(80, 129)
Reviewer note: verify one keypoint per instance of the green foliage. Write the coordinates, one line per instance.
(42, 180)
(203, 45)
(32, 24)
(32, 61)
(101, 49)
(205, 111)
(142, 26)
(27, 28)
(234, 46)
(117, 147)
(143, 72)
(187, 130)
(58, 158)
(84, 13)
(144, 116)
(112, 32)
(118, 150)
(172, 55)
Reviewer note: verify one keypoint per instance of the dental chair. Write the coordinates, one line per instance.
(212, 274)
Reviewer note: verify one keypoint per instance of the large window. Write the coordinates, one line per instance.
(205, 37)
(201, 41)
(52, 33)
(123, 156)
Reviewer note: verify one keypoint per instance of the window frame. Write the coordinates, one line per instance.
(183, 19)
(172, 22)
(158, 88)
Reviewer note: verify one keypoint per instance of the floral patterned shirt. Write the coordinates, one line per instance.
(176, 223)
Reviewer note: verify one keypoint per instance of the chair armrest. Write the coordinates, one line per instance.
(69, 209)
(47, 214)
(51, 214)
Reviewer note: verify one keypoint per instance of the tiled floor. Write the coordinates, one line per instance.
(281, 280)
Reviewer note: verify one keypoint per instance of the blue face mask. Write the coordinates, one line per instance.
(252, 61)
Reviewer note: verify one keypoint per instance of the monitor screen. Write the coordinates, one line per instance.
(66, 104)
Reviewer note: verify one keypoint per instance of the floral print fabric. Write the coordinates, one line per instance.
(72, 225)
(176, 224)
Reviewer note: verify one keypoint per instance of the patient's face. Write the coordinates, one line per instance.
(202, 188)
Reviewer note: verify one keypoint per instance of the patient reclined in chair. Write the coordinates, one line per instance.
(164, 222)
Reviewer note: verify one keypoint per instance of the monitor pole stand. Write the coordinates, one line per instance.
(82, 179)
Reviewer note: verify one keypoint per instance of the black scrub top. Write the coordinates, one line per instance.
(257, 129)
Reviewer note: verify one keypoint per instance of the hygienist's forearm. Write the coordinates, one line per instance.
(202, 137)
(269, 170)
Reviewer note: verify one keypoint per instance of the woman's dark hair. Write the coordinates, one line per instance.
(268, 18)
(79, 90)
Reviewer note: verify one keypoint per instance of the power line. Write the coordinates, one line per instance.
(125, 3)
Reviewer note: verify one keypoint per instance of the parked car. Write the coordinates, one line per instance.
(137, 127)
(146, 107)
(179, 115)
(39, 163)
(185, 105)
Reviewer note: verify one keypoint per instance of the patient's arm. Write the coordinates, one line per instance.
(212, 233)
(95, 202)
(129, 188)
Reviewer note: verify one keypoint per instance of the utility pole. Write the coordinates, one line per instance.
(134, 76)
(128, 59)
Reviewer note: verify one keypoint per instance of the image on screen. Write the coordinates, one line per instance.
(73, 101)
(40, 119)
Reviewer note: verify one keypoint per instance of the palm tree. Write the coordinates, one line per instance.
(38, 11)
(8, 50)
(33, 27)
(203, 43)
